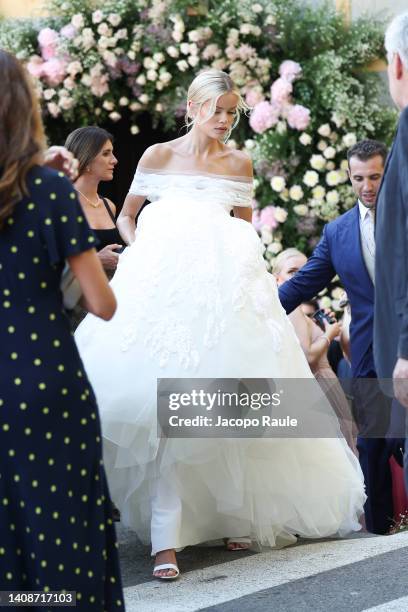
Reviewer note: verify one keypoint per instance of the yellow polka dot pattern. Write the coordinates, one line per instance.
(53, 490)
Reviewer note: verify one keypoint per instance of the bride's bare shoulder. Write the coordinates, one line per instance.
(157, 156)
(240, 163)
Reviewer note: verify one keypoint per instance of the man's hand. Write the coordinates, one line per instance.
(59, 158)
(400, 378)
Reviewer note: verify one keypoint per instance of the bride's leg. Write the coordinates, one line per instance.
(165, 525)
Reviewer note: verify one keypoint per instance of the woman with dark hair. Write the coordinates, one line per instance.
(92, 147)
(56, 529)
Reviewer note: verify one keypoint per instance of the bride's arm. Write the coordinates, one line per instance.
(126, 220)
(243, 164)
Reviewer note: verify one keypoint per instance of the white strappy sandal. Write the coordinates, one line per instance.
(165, 566)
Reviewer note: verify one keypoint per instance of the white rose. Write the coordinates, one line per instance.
(103, 42)
(284, 195)
(177, 36)
(256, 30)
(114, 19)
(337, 119)
(344, 165)
(122, 34)
(278, 183)
(249, 144)
(150, 64)
(172, 51)
(97, 111)
(185, 48)
(325, 302)
(275, 248)
(321, 145)
(330, 165)
(311, 178)
(319, 192)
(165, 77)
(296, 193)
(193, 60)
(194, 35)
(333, 178)
(280, 214)
(104, 29)
(182, 65)
(317, 162)
(86, 80)
(69, 83)
(266, 235)
(144, 99)
(245, 28)
(151, 75)
(332, 197)
(66, 103)
(49, 93)
(344, 176)
(324, 130)
(78, 21)
(132, 55)
(135, 106)
(141, 79)
(159, 86)
(134, 129)
(108, 105)
(349, 140)
(158, 57)
(123, 101)
(305, 139)
(329, 152)
(109, 57)
(193, 49)
(301, 209)
(257, 8)
(115, 116)
(159, 107)
(97, 16)
(53, 109)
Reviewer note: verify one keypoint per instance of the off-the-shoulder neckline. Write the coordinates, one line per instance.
(225, 177)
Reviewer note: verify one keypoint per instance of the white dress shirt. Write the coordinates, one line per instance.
(367, 238)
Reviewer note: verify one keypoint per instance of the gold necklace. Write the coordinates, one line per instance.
(88, 200)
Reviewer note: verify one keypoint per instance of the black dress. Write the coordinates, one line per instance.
(56, 530)
(108, 236)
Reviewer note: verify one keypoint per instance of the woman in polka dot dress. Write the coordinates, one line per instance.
(56, 531)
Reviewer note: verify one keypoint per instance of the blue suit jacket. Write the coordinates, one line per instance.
(339, 252)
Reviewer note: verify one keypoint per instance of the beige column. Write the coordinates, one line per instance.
(344, 6)
(20, 8)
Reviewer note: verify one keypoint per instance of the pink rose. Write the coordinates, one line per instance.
(48, 52)
(35, 66)
(264, 116)
(280, 91)
(290, 70)
(68, 31)
(298, 117)
(54, 71)
(99, 86)
(253, 97)
(267, 217)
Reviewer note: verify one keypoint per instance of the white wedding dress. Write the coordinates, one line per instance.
(195, 301)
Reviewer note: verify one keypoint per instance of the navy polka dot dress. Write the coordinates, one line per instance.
(56, 530)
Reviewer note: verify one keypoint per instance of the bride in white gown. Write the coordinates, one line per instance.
(195, 301)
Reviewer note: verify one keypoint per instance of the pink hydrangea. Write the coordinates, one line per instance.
(298, 117)
(47, 37)
(68, 31)
(264, 116)
(253, 97)
(54, 70)
(35, 66)
(290, 70)
(267, 217)
(256, 217)
(280, 91)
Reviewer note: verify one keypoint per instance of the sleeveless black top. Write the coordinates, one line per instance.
(108, 236)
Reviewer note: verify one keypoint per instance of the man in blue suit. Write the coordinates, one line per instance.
(347, 248)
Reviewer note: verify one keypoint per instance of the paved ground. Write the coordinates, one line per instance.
(362, 573)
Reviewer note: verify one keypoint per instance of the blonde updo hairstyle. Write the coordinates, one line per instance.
(210, 85)
(284, 256)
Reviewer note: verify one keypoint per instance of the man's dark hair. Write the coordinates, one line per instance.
(367, 149)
